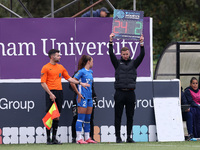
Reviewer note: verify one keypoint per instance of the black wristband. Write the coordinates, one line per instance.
(110, 42)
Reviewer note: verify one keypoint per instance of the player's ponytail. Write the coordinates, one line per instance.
(83, 61)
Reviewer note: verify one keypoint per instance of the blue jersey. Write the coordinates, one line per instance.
(85, 76)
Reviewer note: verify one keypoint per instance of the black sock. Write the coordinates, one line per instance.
(48, 133)
(55, 127)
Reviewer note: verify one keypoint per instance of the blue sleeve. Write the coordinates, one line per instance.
(189, 98)
(78, 75)
(95, 13)
(87, 14)
(183, 98)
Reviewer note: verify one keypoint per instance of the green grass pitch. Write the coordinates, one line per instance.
(191, 145)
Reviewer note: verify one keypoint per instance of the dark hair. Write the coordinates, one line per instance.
(52, 52)
(124, 49)
(83, 61)
(193, 78)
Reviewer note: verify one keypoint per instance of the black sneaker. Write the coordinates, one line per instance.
(73, 140)
(129, 140)
(190, 137)
(49, 142)
(118, 140)
(56, 142)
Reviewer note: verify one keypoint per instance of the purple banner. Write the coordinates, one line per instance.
(24, 44)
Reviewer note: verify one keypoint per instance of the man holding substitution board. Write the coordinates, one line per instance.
(125, 69)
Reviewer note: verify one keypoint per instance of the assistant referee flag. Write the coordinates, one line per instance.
(51, 114)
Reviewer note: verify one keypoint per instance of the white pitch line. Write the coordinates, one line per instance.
(152, 145)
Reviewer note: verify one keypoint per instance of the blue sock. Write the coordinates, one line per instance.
(87, 123)
(79, 122)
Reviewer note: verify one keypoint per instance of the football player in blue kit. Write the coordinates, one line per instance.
(84, 98)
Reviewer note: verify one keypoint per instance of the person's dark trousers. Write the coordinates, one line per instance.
(55, 128)
(48, 134)
(74, 126)
(127, 99)
(91, 125)
(187, 116)
(196, 121)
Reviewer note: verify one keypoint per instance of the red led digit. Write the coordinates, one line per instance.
(116, 26)
(125, 27)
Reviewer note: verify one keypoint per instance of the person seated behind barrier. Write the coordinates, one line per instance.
(75, 114)
(187, 116)
(192, 94)
(103, 12)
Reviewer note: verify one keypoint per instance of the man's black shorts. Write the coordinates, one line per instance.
(59, 100)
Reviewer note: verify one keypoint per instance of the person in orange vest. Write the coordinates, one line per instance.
(51, 75)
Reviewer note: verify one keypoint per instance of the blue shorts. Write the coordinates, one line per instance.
(85, 103)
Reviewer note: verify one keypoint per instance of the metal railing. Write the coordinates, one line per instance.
(53, 12)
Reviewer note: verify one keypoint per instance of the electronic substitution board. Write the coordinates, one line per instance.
(127, 24)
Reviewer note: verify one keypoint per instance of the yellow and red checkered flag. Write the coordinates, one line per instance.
(51, 114)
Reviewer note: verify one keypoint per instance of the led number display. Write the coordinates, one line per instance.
(127, 24)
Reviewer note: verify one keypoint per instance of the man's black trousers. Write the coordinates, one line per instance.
(124, 98)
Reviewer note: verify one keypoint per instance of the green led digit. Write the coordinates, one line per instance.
(138, 28)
